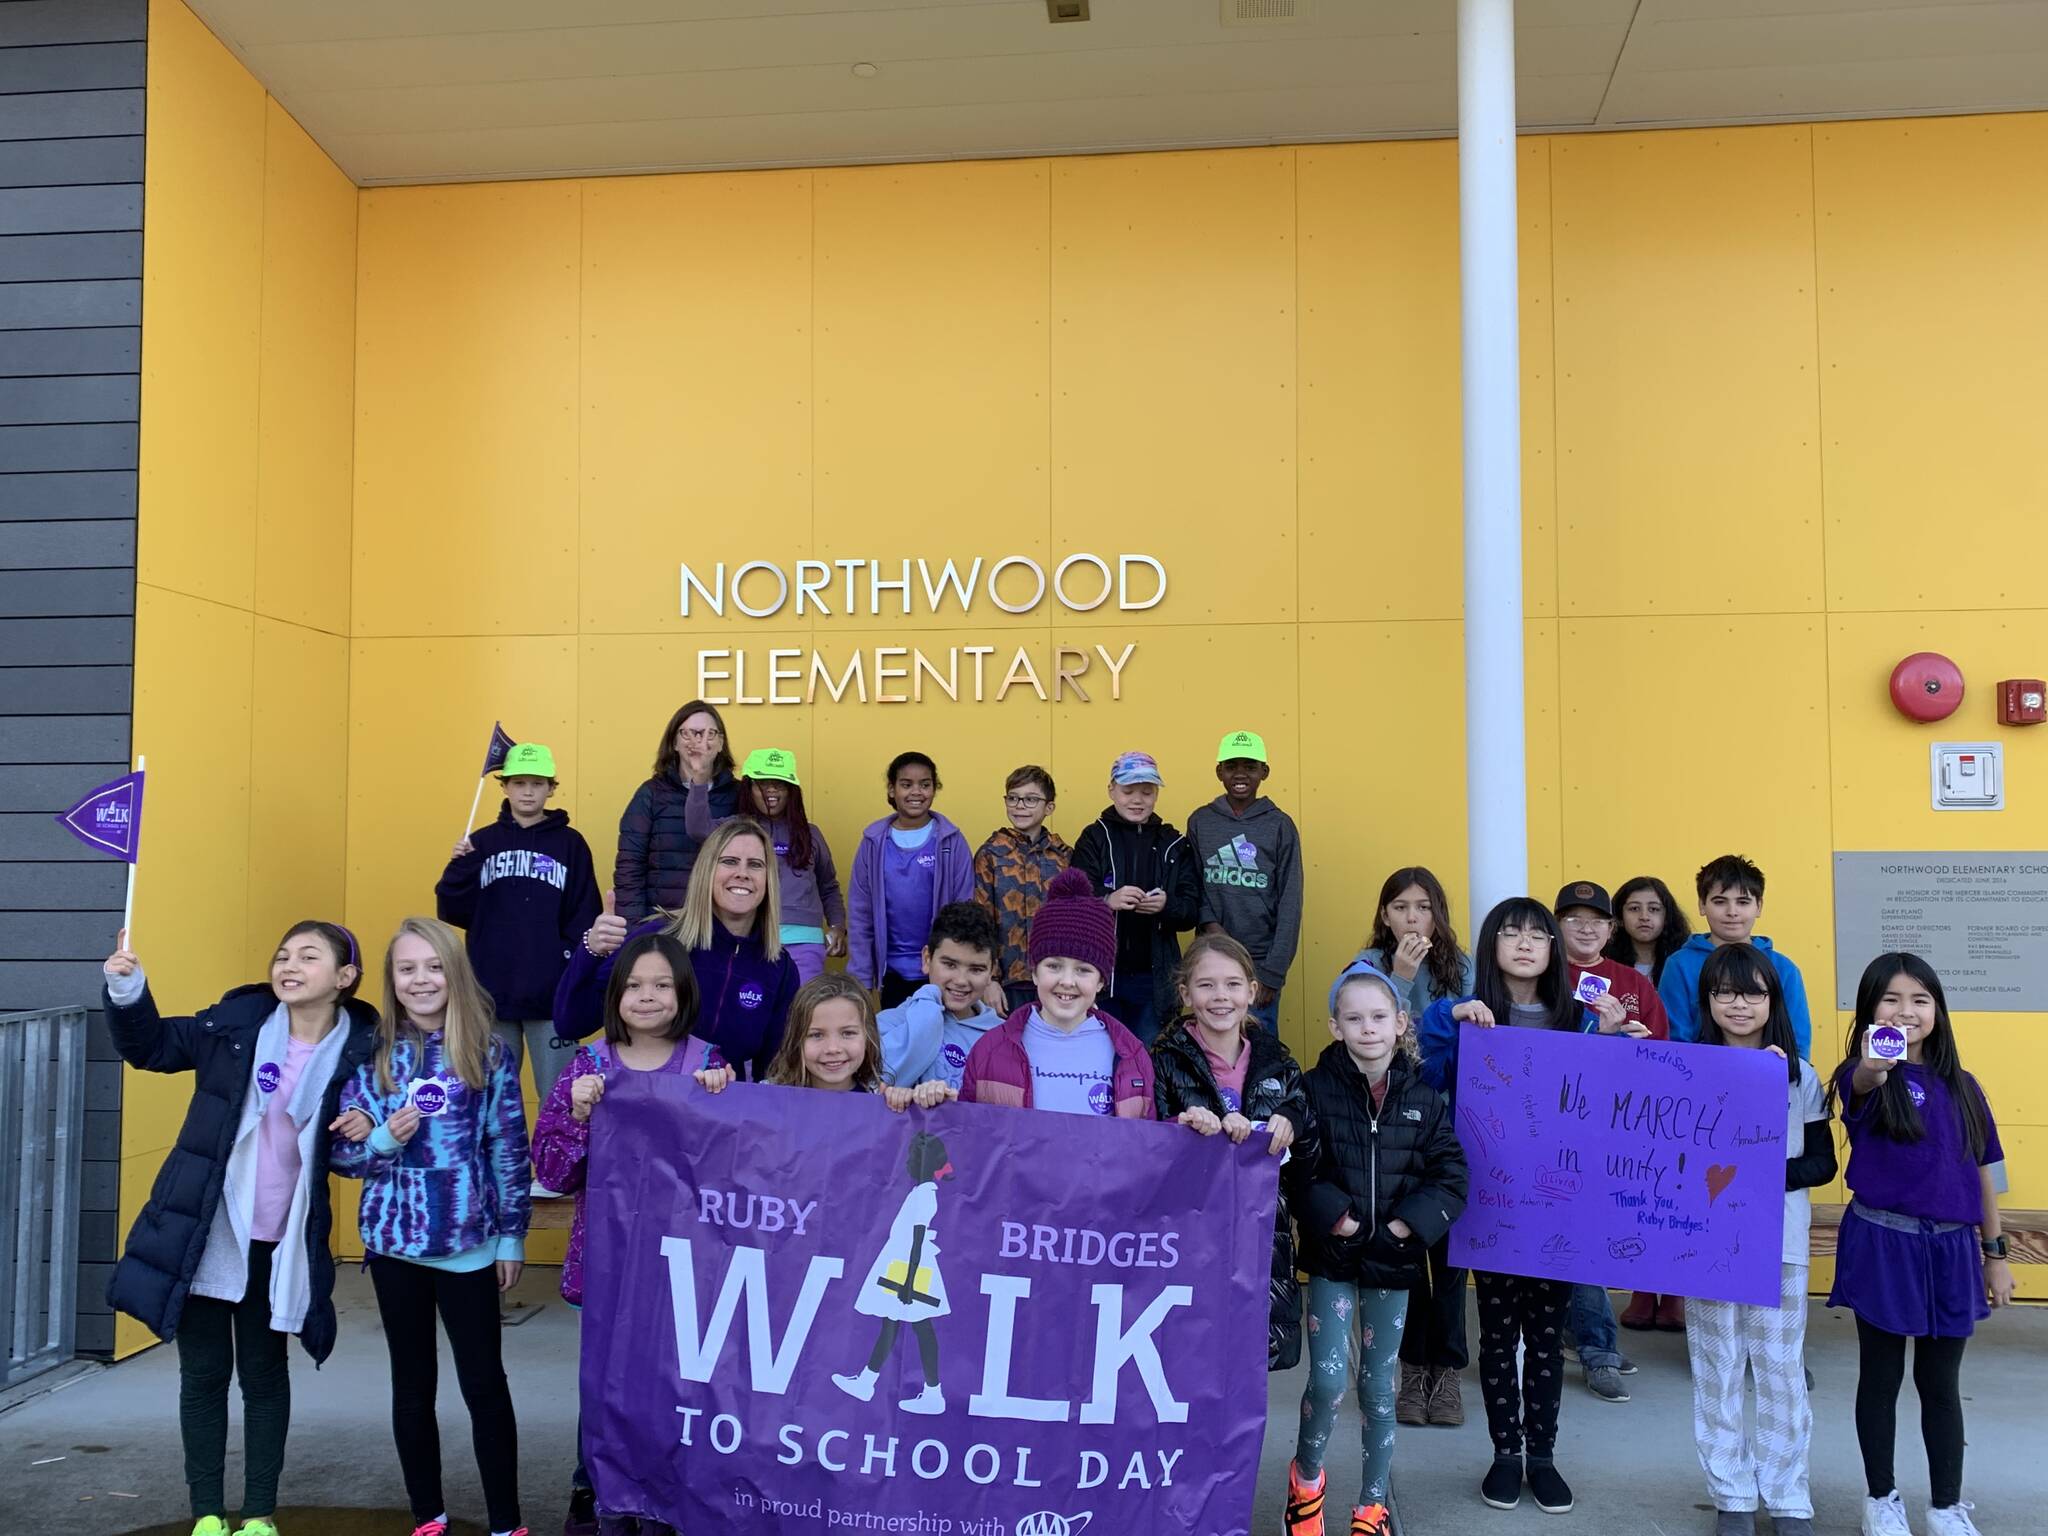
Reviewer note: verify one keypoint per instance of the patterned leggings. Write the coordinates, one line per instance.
(1380, 1315)
(1722, 1338)
(1511, 1308)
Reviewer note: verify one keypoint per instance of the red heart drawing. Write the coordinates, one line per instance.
(1719, 1177)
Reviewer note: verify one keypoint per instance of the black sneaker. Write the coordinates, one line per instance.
(1627, 1367)
(1604, 1382)
(582, 1517)
(1553, 1493)
(1502, 1487)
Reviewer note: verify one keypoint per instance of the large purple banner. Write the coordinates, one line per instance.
(1637, 1164)
(803, 1313)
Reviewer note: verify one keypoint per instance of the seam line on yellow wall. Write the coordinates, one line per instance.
(252, 614)
(256, 543)
(348, 648)
(1820, 449)
(1556, 512)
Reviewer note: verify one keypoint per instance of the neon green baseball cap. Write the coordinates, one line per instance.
(1246, 744)
(771, 763)
(528, 760)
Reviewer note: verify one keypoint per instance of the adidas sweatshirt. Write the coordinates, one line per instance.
(1250, 868)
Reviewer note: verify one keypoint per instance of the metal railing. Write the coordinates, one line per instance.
(42, 1138)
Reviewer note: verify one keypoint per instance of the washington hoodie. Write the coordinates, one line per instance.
(1680, 989)
(525, 895)
(1250, 869)
(922, 1043)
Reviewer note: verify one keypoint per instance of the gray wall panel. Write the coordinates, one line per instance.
(67, 642)
(96, 494)
(63, 738)
(66, 691)
(65, 210)
(33, 837)
(67, 594)
(86, 397)
(110, 445)
(46, 258)
(94, 887)
(43, 23)
(50, 787)
(79, 67)
(55, 545)
(57, 935)
(56, 306)
(48, 983)
(70, 115)
(68, 162)
(117, 349)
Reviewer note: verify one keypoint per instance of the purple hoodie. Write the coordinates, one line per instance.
(743, 1003)
(867, 917)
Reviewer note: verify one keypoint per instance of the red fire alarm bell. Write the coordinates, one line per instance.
(2022, 701)
(1927, 686)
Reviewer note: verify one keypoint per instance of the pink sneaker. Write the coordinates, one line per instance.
(431, 1528)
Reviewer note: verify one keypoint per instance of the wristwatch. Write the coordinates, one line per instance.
(1998, 1247)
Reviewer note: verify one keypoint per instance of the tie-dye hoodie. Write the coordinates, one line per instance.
(459, 1190)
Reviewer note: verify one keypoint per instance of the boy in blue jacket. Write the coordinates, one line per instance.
(927, 1036)
(1731, 892)
(524, 889)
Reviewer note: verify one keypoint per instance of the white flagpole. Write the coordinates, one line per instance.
(128, 904)
(475, 800)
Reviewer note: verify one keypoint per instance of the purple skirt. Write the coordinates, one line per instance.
(1922, 1284)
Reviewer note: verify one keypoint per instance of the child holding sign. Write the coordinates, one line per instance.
(1382, 1182)
(1742, 1005)
(435, 1129)
(1219, 1075)
(267, 1063)
(1521, 981)
(650, 1006)
(1923, 1164)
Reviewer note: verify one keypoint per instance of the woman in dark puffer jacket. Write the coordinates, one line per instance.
(1388, 1182)
(1212, 1072)
(656, 848)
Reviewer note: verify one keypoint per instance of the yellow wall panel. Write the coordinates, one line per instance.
(201, 281)
(191, 895)
(1687, 417)
(420, 714)
(1173, 370)
(466, 423)
(298, 783)
(696, 390)
(933, 309)
(1741, 767)
(305, 485)
(1933, 235)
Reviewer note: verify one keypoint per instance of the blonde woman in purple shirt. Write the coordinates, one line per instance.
(1921, 1255)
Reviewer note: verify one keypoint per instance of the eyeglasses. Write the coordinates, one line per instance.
(702, 738)
(1594, 921)
(1025, 802)
(1724, 997)
(1535, 936)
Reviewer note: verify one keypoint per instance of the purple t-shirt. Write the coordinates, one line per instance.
(1934, 1178)
(909, 871)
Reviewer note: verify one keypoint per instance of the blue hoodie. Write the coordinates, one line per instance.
(1680, 989)
(922, 1043)
(1436, 1037)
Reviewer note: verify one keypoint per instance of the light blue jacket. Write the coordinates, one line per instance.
(1680, 989)
(922, 1043)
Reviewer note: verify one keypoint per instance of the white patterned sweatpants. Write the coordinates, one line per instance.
(1767, 1466)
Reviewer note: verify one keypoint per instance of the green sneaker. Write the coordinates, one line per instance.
(212, 1525)
(257, 1526)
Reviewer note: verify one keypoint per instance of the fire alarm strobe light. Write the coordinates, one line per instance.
(1927, 686)
(2022, 701)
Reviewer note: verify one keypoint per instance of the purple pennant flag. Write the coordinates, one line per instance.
(110, 818)
(495, 753)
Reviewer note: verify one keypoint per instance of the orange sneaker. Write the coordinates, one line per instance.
(1371, 1520)
(1304, 1503)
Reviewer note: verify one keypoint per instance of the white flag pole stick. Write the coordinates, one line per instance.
(128, 902)
(475, 800)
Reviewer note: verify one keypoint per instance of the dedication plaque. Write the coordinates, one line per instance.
(1980, 919)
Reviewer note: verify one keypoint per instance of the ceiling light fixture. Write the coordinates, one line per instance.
(867, 71)
(1066, 10)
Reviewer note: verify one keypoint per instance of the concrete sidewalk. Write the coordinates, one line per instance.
(117, 1466)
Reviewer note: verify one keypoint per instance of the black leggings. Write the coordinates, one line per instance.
(214, 1338)
(408, 1295)
(1434, 1337)
(927, 1348)
(1515, 1307)
(1937, 1370)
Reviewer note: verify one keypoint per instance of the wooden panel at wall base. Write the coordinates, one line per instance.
(1933, 324)
(466, 426)
(306, 382)
(1173, 374)
(413, 758)
(1691, 445)
(1742, 768)
(696, 391)
(298, 793)
(932, 349)
(202, 277)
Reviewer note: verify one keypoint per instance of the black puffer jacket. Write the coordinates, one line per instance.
(656, 851)
(1402, 1161)
(1152, 855)
(218, 1047)
(1182, 1079)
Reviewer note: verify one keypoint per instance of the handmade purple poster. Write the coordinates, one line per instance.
(1637, 1164)
(803, 1313)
